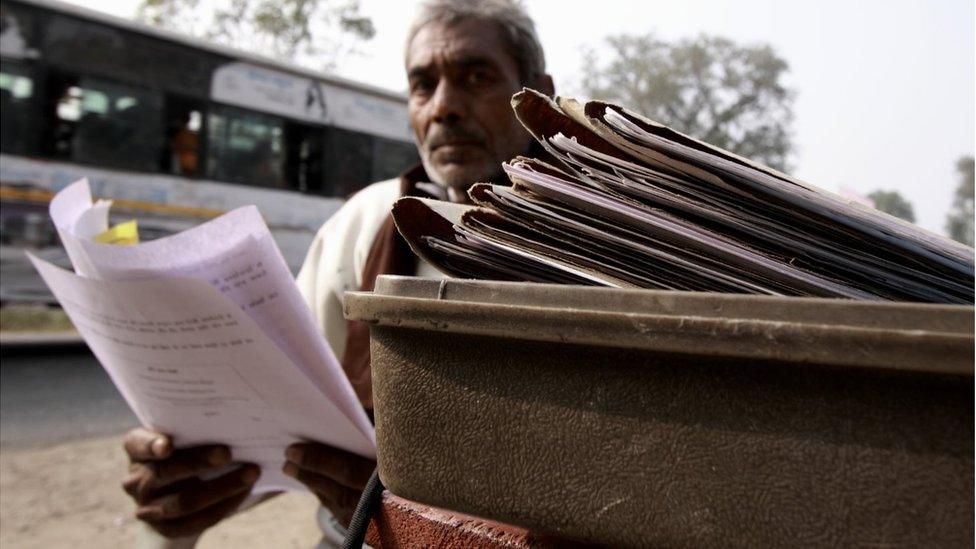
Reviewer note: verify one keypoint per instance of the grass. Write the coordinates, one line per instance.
(33, 318)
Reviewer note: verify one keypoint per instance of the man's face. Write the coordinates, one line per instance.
(461, 82)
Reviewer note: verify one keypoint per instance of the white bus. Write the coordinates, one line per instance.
(176, 130)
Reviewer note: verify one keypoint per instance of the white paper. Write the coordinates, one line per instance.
(191, 363)
(237, 255)
(258, 375)
(68, 205)
(92, 221)
(65, 209)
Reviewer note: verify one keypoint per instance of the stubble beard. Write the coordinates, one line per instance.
(457, 182)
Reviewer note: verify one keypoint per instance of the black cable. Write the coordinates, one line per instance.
(369, 502)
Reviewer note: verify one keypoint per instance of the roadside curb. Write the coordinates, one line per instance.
(38, 339)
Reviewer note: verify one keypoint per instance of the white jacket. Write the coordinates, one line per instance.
(337, 257)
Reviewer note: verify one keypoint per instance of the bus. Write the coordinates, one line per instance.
(176, 131)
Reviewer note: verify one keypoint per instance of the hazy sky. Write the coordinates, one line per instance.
(886, 89)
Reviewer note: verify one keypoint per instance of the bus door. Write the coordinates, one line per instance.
(304, 152)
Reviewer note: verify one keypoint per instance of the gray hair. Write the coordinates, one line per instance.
(510, 16)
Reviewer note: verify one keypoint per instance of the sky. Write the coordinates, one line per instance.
(885, 89)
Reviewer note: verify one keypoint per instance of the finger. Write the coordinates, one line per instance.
(338, 498)
(147, 477)
(188, 462)
(145, 445)
(197, 522)
(144, 489)
(199, 497)
(346, 468)
(136, 483)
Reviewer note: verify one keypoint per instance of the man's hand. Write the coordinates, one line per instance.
(166, 485)
(335, 476)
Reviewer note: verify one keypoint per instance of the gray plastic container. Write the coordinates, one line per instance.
(650, 418)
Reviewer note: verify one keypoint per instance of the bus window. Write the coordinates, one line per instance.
(183, 125)
(108, 124)
(244, 147)
(16, 102)
(348, 162)
(391, 158)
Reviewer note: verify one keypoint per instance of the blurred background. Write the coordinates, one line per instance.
(180, 110)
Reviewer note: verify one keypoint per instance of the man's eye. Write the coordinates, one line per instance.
(421, 86)
(479, 78)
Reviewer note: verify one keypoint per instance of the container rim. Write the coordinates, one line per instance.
(892, 336)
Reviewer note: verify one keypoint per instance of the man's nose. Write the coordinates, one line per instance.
(448, 103)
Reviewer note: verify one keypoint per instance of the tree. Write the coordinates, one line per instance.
(311, 31)
(892, 202)
(959, 222)
(711, 88)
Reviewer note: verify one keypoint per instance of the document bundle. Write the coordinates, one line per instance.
(623, 201)
(205, 335)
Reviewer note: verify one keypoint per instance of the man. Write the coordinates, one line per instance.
(464, 60)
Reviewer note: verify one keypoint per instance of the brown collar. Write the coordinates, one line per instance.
(389, 254)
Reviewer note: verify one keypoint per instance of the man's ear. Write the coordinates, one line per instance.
(543, 84)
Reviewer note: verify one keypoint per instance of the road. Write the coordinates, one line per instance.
(56, 395)
(18, 279)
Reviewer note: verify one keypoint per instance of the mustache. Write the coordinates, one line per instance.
(452, 135)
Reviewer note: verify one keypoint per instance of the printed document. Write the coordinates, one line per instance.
(206, 336)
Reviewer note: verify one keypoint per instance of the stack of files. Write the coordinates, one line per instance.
(622, 201)
(205, 335)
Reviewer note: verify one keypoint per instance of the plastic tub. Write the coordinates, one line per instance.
(648, 418)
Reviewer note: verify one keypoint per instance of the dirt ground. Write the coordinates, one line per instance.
(69, 496)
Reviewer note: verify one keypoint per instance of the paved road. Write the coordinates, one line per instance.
(18, 279)
(55, 395)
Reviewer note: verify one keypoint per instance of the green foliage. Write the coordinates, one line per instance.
(959, 223)
(711, 88)
(891, 202)
(293, 30)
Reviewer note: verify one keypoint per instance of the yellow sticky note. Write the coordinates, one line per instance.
(123, 234)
